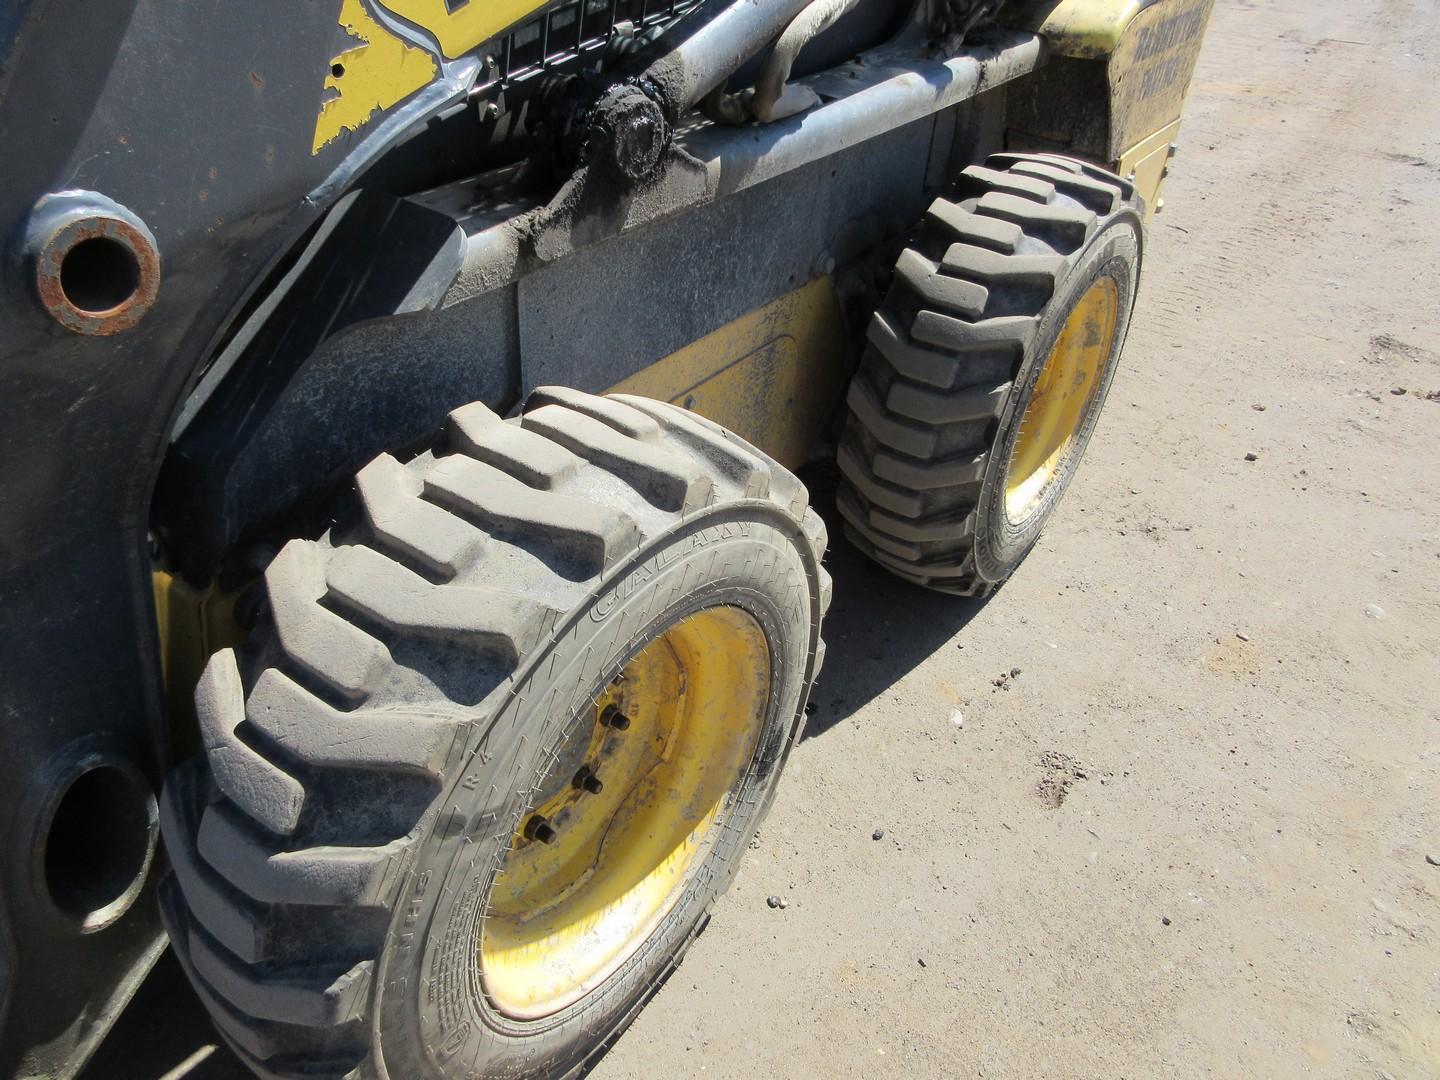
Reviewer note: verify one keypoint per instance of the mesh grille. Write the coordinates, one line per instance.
(571, 30)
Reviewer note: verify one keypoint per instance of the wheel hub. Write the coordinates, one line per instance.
(623, 821)
(1062, 399)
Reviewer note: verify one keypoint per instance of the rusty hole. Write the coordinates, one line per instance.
(99, 274)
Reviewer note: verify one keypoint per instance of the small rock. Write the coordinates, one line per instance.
(957, 718)
(1433, 860)
(1374, 611)
(1252, 456)
(775, 901)
(921, 961)
(1165, 920)
(920, 777)
(1242, 637)
(1398, 391)
(1134, 491)
(1014, 672)
(1258, 408)
(878, 834)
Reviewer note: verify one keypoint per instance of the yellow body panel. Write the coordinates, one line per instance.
(1150, 71)
(1149, 49)
(771, 376)
(1148, 162)
(193, 624)
(1090, 29)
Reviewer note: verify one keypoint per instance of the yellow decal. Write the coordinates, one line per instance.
(468, 24)
(370, 77)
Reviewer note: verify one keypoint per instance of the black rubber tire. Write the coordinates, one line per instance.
(954, 352)
(370, 753)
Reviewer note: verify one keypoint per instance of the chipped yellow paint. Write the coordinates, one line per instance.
(379, 72)
(469, 25)
(771, 376)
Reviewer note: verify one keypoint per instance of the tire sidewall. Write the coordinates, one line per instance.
(432, 1018)
(1114, 250)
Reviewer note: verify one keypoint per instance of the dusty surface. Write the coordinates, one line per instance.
(1189, 837)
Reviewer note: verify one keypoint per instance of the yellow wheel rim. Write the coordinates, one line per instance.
(1067, 387)
(596, 867)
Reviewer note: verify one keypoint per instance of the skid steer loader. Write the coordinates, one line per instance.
(408, 601)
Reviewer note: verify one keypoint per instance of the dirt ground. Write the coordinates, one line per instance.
(1163, 805)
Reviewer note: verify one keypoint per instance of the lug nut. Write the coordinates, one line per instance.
(537, 828)
(612, 717)
(586, 780)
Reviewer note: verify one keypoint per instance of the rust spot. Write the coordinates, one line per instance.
(214, 173)
(123, 138)
(257, 81)
(202, 195)
(269, 153)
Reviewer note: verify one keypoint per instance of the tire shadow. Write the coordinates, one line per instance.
(878, 628)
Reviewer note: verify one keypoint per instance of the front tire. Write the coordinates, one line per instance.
(987, 367)
(397, 855)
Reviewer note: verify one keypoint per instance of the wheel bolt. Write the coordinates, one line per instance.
(537, 828)
(586, 780)
(612, 717)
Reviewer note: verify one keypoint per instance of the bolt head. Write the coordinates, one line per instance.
(633, 131)
(537, 828)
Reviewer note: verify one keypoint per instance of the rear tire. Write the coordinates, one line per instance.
(956, 351)
(409, 697)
